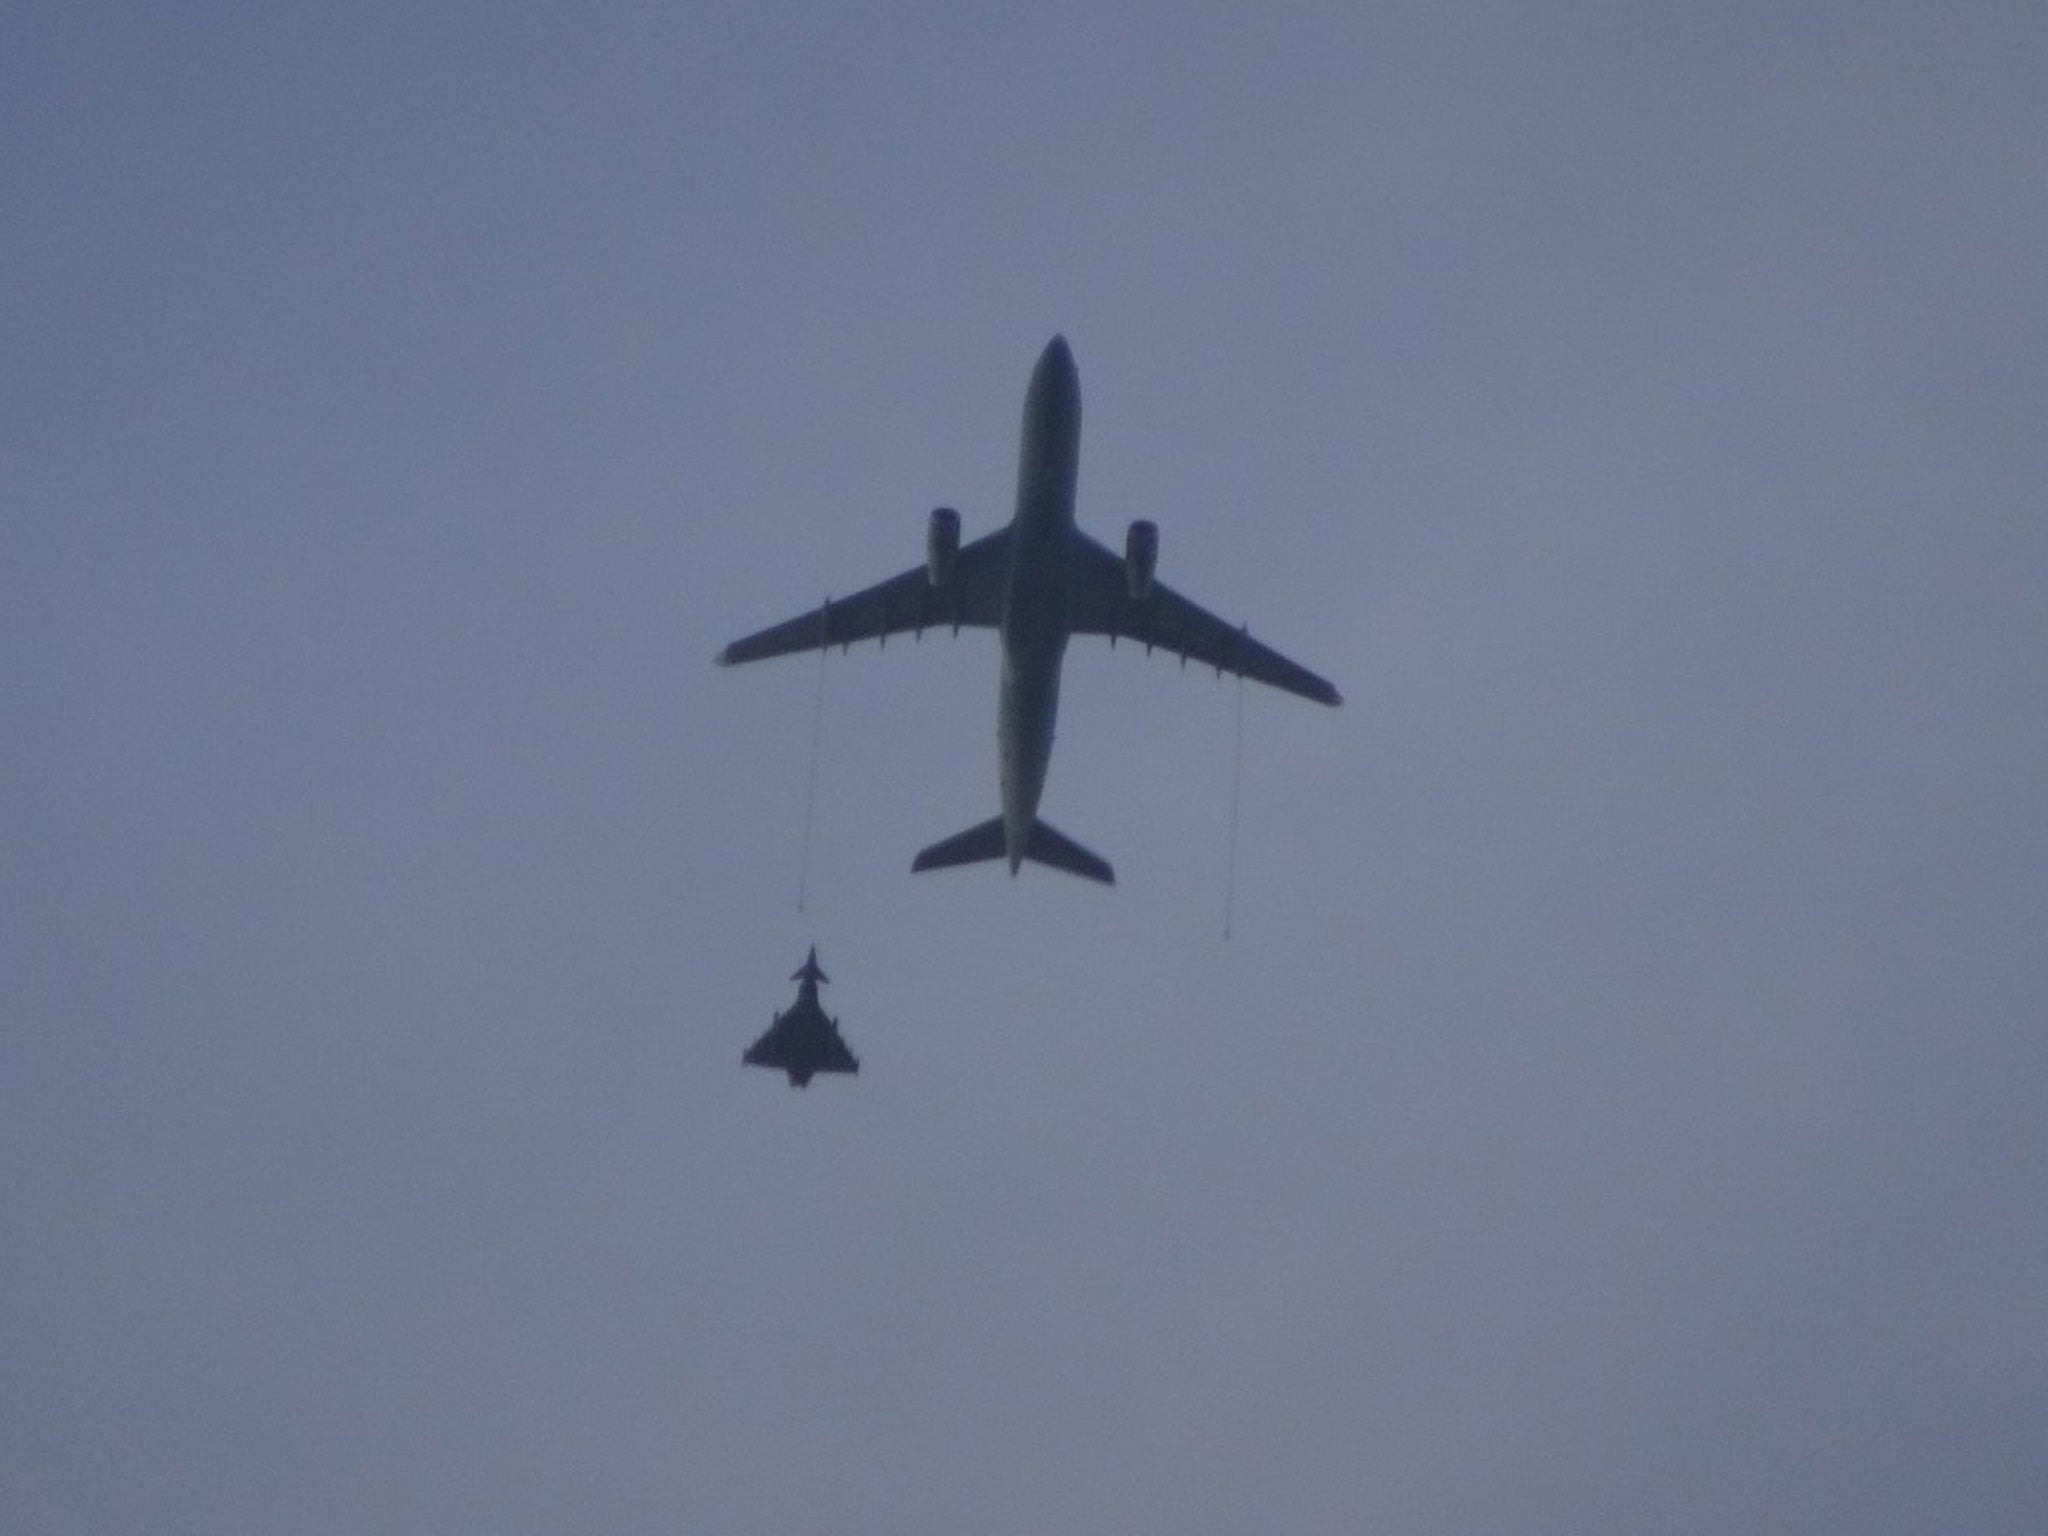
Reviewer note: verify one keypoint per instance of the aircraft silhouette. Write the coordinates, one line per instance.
(1038, 581)
(802, 1041)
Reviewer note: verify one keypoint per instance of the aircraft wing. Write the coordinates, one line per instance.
(1103, 605)
(974, 597)
(771, 1050)
(833, 1056)
(809, 1050)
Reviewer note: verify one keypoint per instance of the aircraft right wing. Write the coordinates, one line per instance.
(835, 1056)
(1103, 605)
(973, 597)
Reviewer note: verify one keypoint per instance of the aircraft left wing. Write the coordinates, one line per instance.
(973, 596)
(1103, 605)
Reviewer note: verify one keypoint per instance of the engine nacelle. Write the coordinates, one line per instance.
(1141, 553)
(941, 545)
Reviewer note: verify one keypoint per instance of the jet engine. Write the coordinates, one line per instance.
(1141, 553)
(941, 544)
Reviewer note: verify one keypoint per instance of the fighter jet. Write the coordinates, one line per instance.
(802, 1041)
(1037, 581)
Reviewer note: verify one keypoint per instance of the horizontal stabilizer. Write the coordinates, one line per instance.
(1044, 846)
(970, 847)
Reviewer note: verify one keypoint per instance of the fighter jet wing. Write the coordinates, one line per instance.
(1103, 605)
(973, 596)
(833, 1055)
(768, 1051)
(802, 1045)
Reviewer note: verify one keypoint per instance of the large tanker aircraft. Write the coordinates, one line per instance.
(1038, 581)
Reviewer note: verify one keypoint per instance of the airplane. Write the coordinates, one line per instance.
(801, 1040)
(1037, 581)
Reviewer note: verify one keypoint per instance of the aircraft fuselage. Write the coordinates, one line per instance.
(1036, 620)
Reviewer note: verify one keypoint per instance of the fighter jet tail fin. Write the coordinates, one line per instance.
(1044, 846)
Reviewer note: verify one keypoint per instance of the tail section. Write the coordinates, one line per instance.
(1060, 851)
(969, 847)
(1044, 846)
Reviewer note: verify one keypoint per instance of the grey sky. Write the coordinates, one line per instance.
(1620, 1105)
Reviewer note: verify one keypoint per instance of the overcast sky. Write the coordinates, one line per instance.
(1619, 1106)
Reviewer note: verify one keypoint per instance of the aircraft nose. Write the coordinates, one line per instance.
(1055, 375)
